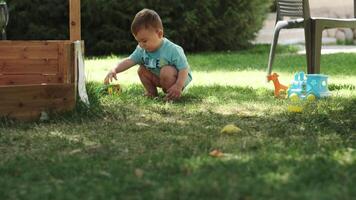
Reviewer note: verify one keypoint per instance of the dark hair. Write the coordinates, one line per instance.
(146, 18)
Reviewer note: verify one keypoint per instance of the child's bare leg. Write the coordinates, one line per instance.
(149, 81)
(168, 77)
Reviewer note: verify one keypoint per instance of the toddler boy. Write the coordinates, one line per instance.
(162, 64)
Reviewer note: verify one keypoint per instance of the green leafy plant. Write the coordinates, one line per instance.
(195, 25)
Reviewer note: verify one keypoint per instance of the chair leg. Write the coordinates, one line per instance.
(280, 25)
(317, 32)
(308, 44)
(354, 9)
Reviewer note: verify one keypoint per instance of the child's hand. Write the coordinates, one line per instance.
(174, 92)
(110, 76)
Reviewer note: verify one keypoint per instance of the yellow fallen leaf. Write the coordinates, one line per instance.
(230, 129)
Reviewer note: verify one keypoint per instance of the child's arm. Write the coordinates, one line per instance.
(122, 66)
(176, 90)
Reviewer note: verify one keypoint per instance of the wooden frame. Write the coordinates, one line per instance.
(39, 76)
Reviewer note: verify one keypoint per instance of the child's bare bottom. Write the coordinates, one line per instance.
(167, 78)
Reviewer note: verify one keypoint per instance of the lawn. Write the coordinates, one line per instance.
(129, 147)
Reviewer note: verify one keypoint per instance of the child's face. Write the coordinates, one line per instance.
(149, 39)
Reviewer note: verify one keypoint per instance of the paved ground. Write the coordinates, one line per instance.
(329, 49)
(286, 36)
(296, 36)
(323, 8)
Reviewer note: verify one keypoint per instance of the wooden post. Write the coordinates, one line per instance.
(74, 20)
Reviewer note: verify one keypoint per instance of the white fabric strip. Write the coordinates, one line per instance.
(79, 64)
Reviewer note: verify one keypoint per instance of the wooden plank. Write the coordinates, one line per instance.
(32, 113)
(35, 91)
(25, 79)
(66, 61)
(37, 104)
(68, 58)
(29, 66)
(61, 64)
(30, 45)
(19, 43)
(25, 66)
(74, 20)
(28, 101)
(34, 62)
(38, 91)
(29, 52)
(74, 73)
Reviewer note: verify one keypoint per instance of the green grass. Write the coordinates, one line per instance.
(130, 147)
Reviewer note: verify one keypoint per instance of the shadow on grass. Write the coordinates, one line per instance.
(132, 103)
(162, 149)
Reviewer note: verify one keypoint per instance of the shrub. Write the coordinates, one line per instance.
(38, 19)
(202, 25)
(273, 7)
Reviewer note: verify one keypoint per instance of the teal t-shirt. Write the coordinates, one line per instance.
(168, 54)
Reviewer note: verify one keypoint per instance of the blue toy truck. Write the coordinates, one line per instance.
(309, 86)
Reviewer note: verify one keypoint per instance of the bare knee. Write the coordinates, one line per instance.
(147, 78)
(168, 77)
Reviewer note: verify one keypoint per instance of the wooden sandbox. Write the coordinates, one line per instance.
(39, 76)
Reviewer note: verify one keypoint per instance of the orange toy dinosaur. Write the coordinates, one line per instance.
(277, 85)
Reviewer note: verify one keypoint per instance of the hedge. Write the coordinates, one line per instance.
(201, 25)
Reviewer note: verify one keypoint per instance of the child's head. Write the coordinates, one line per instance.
(147, 29)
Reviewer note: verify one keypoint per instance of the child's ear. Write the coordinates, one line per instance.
(160, 33)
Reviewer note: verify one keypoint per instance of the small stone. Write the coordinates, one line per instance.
(340, 36)
(349, 35)
(44, 116)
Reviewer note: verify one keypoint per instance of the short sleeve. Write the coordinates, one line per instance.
(179, 59)
(137, 55)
